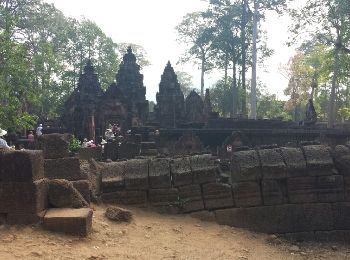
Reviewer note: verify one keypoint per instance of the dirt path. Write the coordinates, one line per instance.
(154, 236)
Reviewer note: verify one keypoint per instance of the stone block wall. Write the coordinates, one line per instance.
(276, 190)
(23, 189)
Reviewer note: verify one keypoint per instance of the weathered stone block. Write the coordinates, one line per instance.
(302, 189)
(22, 197)
(246, 194)
(341, 213)
(347, 188)
(161, 197)
(90, 153)
(127, 197)
(217, 195)
(72, 221)
(62, 194)
(111, 150)
(274, 192)
(279, 218)
(63, 168)
(330, 188)
(272, 164)
(54, 145)
(136, 174)
(318, 160)
(112, 175)
(342, 164)
(295, 161)
(181, 171)
(204, 215)
(128, 150)
(159, 173)
(203, 168)
(190, 198)
(21, 166)
(246, 166)
(83, 186)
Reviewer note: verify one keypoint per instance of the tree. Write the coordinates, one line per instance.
(329, 23)
(196, 32)
(185, 81)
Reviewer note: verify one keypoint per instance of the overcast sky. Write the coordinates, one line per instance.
(151, 24)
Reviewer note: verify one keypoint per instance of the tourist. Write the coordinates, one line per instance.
(39, 130)
(109, 135)
(30, 136)
(85, 143)
(3, 143)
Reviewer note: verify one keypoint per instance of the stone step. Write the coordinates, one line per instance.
(67, 220)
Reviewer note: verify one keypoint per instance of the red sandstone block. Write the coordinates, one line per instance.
(190, 198)
(83, 186)
(63, 168)
(287, 218)
(160, 197)
(245, 166)
(127, 197)
(25, 219)
(112, 175)
(274, 192)
(90, 152)
(330, 188)
(302, 189)
(246, 194)
(295, 161)
(318, 160)
(72, 221)
(23, 198)
(21, 166)
(217, 195)
(54, 145)
(272, 164)
(203, 168)
(159, 173)
(181, 171)
(136, 174)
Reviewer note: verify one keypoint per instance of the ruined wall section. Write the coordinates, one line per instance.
(289, 190)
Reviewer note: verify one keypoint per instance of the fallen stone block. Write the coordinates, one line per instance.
(63, 168)
(190, 198)
(181, 171)
(118, 214)
(128, 150)
(342, 164)
(272, 164)
(318, 160)
(217, 195)
(127, 197)
(54, 146)
(274, 192)
(25, 218)
(83, 186)
(111, 150)
(245, 166)
(163, 197)
(159, 173)
(21, 166)
(23, 197)
(204, 215)
(136, 174)
(295, 161)
(330, 188)
(113, 176)
(246, 194)
(302, 189)
(62, 194)
(71, 221)
(341, 213)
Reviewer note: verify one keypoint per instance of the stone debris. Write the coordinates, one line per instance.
(118, 214)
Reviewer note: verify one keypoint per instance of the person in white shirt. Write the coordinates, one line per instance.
(3, 142)
(39, 130)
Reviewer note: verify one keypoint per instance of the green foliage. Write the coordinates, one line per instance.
(344, 113)
(74, 145)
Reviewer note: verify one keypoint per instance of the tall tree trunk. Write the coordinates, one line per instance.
(244, 57)
(234, 90)
(226, 68)
(202, 75)
(331, 108)
(255, 37)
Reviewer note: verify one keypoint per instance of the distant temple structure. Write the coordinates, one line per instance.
(89, 110)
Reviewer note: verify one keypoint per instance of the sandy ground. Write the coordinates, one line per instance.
(155, 236)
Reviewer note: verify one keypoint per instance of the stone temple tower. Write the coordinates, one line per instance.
(170, 99)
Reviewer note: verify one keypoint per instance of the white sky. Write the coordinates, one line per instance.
(151, 24)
